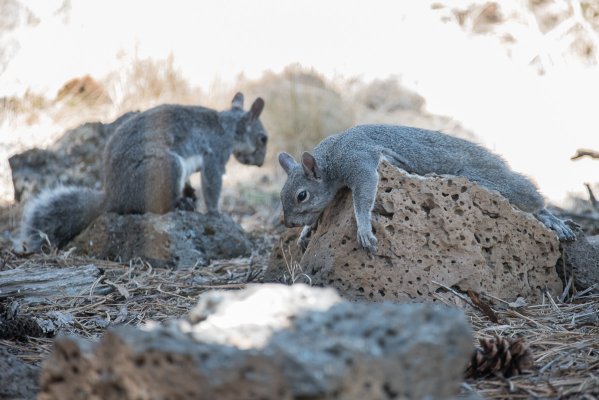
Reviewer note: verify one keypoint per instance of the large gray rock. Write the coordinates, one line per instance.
(433, 229)
(177, 239)
(272, 342)
(75, 159)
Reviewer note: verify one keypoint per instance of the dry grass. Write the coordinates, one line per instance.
(302, 108)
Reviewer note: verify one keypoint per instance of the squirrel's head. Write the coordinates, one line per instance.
(304, 195)
(250, 136)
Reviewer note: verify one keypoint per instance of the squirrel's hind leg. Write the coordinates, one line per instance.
(564, 233)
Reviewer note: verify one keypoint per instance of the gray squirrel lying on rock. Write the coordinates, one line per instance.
(351, 158)
(146, 165)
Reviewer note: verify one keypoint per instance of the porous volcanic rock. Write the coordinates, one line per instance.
(178, 239)
(271, 342)
(442, 229)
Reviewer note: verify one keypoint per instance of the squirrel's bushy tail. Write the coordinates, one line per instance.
(55, 216)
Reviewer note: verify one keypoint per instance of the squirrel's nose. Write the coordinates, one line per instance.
(286, 222)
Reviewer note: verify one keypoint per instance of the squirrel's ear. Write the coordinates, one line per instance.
(237, 102)
(257, 108)
(287, 162)
(310, 168)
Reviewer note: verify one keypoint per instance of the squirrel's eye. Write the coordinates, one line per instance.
(302, 196)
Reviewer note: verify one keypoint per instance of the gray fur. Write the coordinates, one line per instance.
(146, 164)
(350, 159)
(54, 216)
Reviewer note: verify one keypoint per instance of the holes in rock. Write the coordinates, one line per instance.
(388, 190)
(449, 182)
(391, 394)
(361, 289)
(382, 292)
(140, 361)
(427, 206)
(477, 238)
(455, 197)
(463, 189)
(390, 229)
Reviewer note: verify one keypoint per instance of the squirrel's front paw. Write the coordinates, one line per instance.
(304, 238)
(185, 204)
(367, 240)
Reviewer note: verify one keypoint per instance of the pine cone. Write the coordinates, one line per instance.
(14, 326)
(498, 355)
(19, 328)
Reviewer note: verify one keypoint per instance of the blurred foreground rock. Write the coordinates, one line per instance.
(271, 342)
(17, 379)
(75, 159)
(442, 229)
(177, 239)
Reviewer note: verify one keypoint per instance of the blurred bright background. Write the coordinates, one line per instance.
(520, 77)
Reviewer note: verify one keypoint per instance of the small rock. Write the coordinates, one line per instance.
(178, 239)
(581, 259)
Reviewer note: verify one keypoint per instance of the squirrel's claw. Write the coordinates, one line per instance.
(367, 240)
(304, 238)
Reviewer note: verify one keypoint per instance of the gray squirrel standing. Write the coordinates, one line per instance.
(350, 159)
(146, 162)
